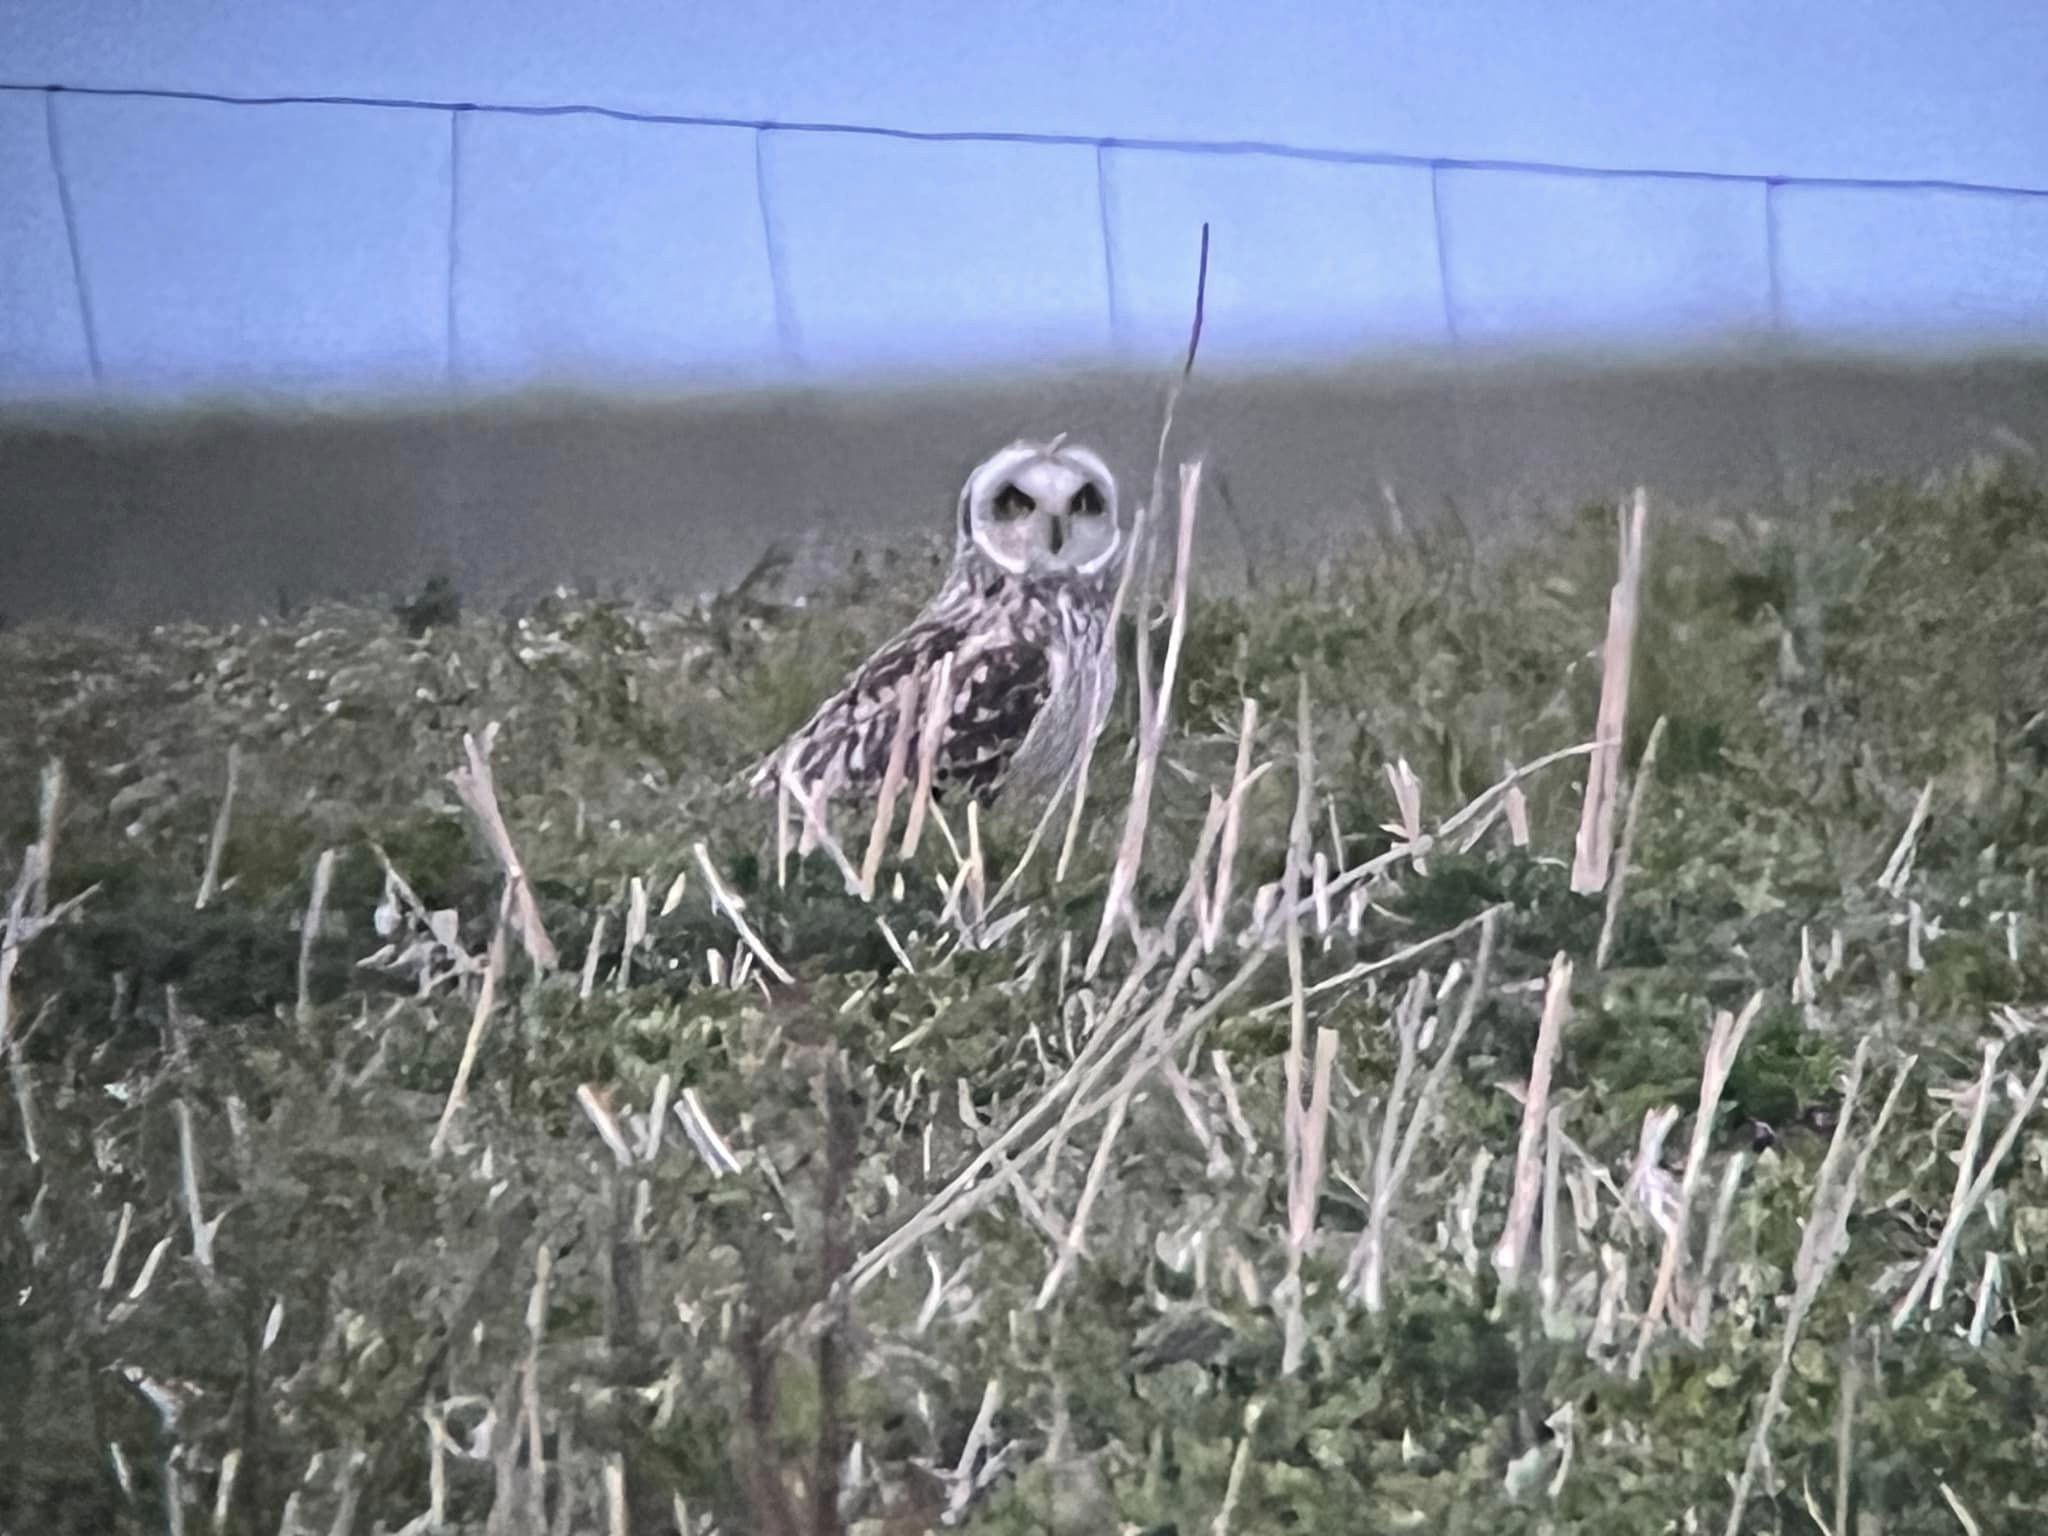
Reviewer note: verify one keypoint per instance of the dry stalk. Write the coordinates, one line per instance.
(309, 933)
(1987, 1290)
(1952, 1229)
(596, 1107)
(1297, 994)
(478, 791)
(588, 982)
(1304, 1194)
(1966, 1165)
(1142, 534)
(1513, 1246)
(1490, 804)
(1151, 730)
(1710, 1257)
(1365, 1272)
(1098, 1170)
(636, 932)
(486, 1000)
(938, 696)
(1408, 801)
(1820, 1248)
(1549, 1246)
(1240, 1465)
(1899, 867)
(536, 1332)
(1724, 1041)
(723, 900)
(1644, 767)
(1233, 824)
(1595, 846)
(209, 883)
(1482, 809)
(188, 1184)
(892, 784)
(967, 1192)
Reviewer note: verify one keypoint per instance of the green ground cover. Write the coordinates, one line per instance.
(686, 1246)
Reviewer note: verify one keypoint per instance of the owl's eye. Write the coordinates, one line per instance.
(1087, 502)
(1011, 502)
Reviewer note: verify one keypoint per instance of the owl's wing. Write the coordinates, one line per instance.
(998, 684)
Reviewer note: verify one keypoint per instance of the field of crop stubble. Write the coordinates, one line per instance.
(1542, 1039)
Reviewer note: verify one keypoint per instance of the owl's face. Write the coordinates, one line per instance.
(1042, 508)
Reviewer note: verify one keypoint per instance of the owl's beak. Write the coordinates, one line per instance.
(1057, 537)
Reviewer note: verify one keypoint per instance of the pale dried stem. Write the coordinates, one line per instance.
(209, 882)
(486, 1000)
(1151, 728)
(478, 790)
(536, 1333)
(188, 1186)
(1365, 1272)
(1304, 1194)
(1645, 766)
(1595, 845)
(1408, 801)
(1233, 825)
(892, 784)
(1899, 866)
(635, 934)
(1957, 1508)
(723, 901)
(1513, 1246)
(931, 731)
(1987, 1290)
(1240, 1465)
(1710, 1255)
(1297, 996)
(961, 1195)
(1845, 1434)
(1098, 1170)
(588, 983)
(1952, 1229)
(1549, 1246)
(1724, 1041)
(309, 932)
(1820, 1248)
(817, 831)
(597, 1109)
(1484, 805)
(1966, 1165)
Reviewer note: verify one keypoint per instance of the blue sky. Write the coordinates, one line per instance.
(308, 247)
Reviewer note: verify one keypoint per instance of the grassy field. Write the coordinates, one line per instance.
(1364, 1171)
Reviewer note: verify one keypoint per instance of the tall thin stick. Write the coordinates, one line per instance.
(1141, 535)
(309, 934)
(1513, 1246)
(1612, 916)
(486, 999)
(478, 790)
(1151, 731)
(1596, 817)
(209, 883)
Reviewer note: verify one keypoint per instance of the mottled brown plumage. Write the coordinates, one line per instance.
(1021, 621)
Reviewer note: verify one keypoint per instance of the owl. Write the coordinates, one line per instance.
(1010, 668)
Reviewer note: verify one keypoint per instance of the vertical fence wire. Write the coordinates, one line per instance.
(67, 208)
(788, 341)
(1773, 271)
(1443, 253)
(788, 329)
(1108, 229)
(452, 276)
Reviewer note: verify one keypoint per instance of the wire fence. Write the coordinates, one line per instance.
(1773, 189)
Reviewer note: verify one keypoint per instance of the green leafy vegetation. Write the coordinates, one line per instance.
(686, 1249)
